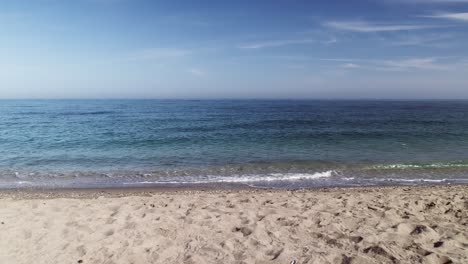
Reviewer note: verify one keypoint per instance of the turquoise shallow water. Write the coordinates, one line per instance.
(271, 143)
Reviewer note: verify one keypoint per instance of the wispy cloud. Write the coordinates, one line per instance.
(426, 40)
(106, 1)
(158, 53)
(402, 64)
(338, 59)
(184, 19)
(363, 26)
(197, 72)
(415, 63)
(451, 16)
(398, 64)
(330, 41)
(276, 43)
(295, 66)
(350, 66)
(427, 1)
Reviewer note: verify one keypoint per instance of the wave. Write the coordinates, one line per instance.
(421, 181)
(266, 170)
(88, 113)
(244, 178)
(34, 113)
(281, 174)
(437, 165)
(326, 178)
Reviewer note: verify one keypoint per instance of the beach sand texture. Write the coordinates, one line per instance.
(354, 225)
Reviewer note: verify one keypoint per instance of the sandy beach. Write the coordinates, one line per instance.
(349, 225)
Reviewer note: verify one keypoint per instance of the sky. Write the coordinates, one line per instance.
(334, 49)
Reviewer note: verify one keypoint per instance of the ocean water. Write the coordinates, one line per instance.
(261, 143)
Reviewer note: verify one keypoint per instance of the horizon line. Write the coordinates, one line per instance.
(241, 98)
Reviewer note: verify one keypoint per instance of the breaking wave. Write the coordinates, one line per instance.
(436, 165)
(244, 178)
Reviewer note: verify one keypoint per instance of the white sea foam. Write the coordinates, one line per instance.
(24, 183)
(423, 180)
(420, 166)
(246, 178)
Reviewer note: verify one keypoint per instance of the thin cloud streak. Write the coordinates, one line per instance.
(158, 54)
(405, 64)
(276, 43)
(415, 63)
(425, 40)
(350, 66)
(428, 1)
(331, 41)
(451, 16)
(366, 27)
(197, 72)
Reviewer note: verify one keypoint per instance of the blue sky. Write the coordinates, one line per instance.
(234, 49)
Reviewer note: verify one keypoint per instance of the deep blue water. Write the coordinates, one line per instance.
(99, 143)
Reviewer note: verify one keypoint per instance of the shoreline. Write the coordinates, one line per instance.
(116, 192)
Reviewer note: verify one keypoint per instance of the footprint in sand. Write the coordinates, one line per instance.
(379, 251)
(244, 230)
(274, 253)
(81, 250)
(109, 233)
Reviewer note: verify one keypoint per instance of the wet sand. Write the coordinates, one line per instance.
(339, 225)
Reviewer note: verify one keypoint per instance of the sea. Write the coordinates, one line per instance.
(288, 144)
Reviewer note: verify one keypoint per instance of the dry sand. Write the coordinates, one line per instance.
(359, 225)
